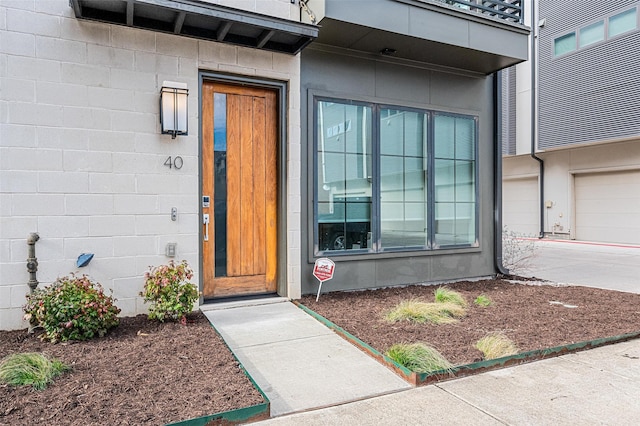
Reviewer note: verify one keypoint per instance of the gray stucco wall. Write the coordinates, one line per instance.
(345, 75)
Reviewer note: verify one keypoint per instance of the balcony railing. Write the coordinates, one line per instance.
(509, 10)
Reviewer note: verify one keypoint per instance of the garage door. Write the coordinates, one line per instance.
(608, 207)
(520, 206)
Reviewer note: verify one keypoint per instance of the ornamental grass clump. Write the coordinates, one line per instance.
(72, 308)
(30, 369)
(496, 345)
(445, 295)
(419, 357)
(421, 312)
(169, 291)
(483, 301)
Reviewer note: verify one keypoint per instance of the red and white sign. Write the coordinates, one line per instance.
(323, 269)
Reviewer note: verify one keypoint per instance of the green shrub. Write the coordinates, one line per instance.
(34, 369)
(418, 357)
(496, 345)
(167, 288)
(445, 295)
(72, 308)
(483, 300)
(418, 311)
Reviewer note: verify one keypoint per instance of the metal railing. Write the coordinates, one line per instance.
(509, 10)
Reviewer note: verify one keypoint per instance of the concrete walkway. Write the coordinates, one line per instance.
(314, 377)
(596, 387)
(298, 363)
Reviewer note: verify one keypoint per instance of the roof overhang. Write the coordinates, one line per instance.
(366, 39)
(426, 31)
(201, 19)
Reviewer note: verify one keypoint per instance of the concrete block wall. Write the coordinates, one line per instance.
(82, 160)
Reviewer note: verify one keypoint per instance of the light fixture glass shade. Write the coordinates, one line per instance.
(173, 108)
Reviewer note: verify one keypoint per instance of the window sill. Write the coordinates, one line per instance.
(365, 256)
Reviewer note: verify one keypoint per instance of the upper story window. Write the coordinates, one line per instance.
(623, 22)
(592, 34)
(393, 178)
(564, 44)
(605, 29)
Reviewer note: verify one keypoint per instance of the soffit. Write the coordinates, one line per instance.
(425, 31)
(357, 37)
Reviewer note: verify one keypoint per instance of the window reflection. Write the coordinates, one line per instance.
(454, 179)
(403, 179)
(344, 176)
(220, 182)
(402, 198)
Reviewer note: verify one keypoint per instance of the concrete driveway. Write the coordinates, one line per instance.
(608, 266)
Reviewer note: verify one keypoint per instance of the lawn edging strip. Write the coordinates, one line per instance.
(525, 357)
(249, 414)
(419, 379)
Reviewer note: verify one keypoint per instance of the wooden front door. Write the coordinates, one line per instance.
(239, 190)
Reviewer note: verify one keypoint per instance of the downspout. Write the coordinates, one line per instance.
(534, 120)
(497, 172)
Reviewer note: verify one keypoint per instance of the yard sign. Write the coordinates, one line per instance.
(323, 271)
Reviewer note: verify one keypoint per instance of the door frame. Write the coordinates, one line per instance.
(281, 90)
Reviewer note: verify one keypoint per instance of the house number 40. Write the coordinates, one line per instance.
(174, 162)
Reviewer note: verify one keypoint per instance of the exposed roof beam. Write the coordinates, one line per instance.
(230, 14)
(264, 38)
(223, 30)
(177, 26)
(201, 19)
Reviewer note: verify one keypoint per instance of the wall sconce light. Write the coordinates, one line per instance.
(174, 116)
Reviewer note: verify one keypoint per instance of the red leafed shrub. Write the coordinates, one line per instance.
(72, 308)
(168, 289)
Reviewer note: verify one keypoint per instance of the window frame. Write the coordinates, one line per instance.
(376, 249)
(314, 168)
(432, 197)
(377, 160)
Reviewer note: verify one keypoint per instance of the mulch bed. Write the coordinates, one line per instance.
(522, 311)
(141, 372)
(146, 372)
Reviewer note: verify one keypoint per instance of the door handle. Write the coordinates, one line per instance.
(205, 221)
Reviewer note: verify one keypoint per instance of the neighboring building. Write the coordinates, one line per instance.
(587, 116)
(374, 145)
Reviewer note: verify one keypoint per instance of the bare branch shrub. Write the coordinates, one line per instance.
(518, 250)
